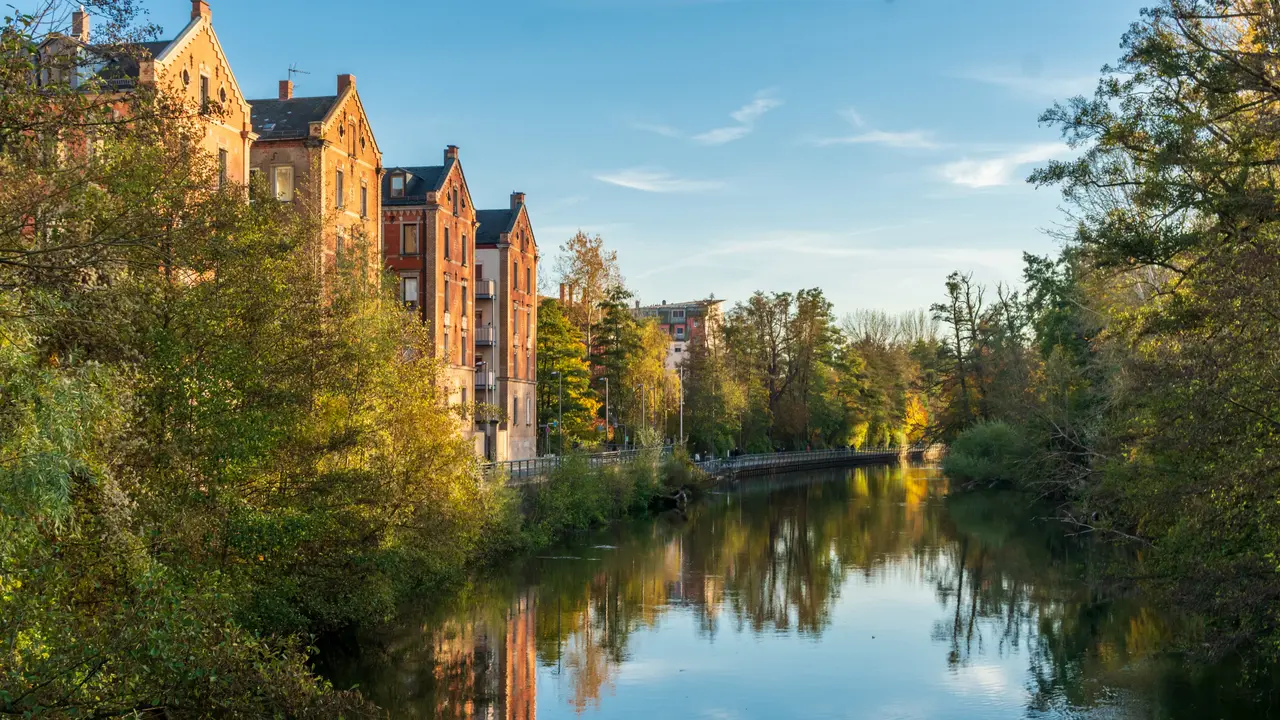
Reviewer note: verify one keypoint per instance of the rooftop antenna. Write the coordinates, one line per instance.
(293, 70)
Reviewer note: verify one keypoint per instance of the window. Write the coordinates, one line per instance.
(222, 168)
(222, 95)
(364, 200)
(284, 183)
(409, 291)
(515, 409)
(464, 299)
(338, 187)
(397, 186)
(341, 243)
(446, 294)
(528, 279)
(448, 350)
(464, 359)
(446, 243)
(515, 277)
(454, 195)
(464, 249)
(528, 410)
(528, 330)
(679, 332)
(677, 314)
(679, 349)
(408, 239)
(204, 94)
(464, 389)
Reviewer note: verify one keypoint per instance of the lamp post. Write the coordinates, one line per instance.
(681, 439)
(560, 413)
(605, 378)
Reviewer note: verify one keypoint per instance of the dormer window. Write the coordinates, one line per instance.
(397, 185)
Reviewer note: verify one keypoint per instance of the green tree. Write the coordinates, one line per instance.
(563, 377)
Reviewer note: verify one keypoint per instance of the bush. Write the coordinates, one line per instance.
(989, 454)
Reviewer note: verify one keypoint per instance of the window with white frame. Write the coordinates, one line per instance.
(528, 410)
(409, 290)
(397, 185)
(282, 178)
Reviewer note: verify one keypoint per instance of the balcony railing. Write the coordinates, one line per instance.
(485, 380)
(487, 335)
(485, 289)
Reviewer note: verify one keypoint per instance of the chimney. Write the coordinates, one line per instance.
(286, 89)
(664, 302)
(451, 153)
(344, 81)
(517, 199)
(80, 25)
(561, 293)
(200, 9)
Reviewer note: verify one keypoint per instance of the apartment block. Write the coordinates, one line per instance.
(191, 67)
(506, 328)
(686, 323)
(429, 226)
(320, 153)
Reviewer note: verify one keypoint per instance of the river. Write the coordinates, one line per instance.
(860, 593)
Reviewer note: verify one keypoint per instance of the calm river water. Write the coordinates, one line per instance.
(862, 593)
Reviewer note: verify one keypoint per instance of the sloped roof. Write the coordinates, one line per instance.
(276, 119)
(419, 180)
(493, 223)
(120, 62)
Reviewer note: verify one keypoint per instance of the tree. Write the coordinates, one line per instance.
(590, 274)
(564, 377)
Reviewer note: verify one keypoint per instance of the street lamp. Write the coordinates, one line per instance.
(560, 415)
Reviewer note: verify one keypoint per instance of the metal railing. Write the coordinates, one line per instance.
(485, 381)
(521, 471)
(778, 460)
(487, 335)
(485, 289)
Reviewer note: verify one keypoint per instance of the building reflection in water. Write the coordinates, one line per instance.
(487, 672)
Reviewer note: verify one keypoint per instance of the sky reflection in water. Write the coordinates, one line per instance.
(863, 593)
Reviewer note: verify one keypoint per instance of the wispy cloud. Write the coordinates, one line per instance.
(657, 129)
(867, 135)
(656, 181)
(745, 117)
(1034, 84)
(997, 171)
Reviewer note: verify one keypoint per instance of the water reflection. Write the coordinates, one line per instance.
(983, 610)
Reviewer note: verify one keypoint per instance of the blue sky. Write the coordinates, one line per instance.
(867, 147)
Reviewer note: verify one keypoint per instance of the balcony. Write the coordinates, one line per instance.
(485, 289)
(487, 336)
(485, 380)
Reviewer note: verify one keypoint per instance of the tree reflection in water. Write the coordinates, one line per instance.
(774, 558)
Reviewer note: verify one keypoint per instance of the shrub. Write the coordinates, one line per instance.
(989, 454)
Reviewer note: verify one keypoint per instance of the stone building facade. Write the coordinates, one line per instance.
(192, 67)
(320, 153)
(507, 326)
(429, 226)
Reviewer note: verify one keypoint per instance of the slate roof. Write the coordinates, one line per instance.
(419, 181)
(276, 119)
(492, 224)
(120, 62)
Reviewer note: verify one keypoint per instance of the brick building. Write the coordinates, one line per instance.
(429, 226)
(320, 153)
(191, 67)
(686, 323)
(506, 327)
